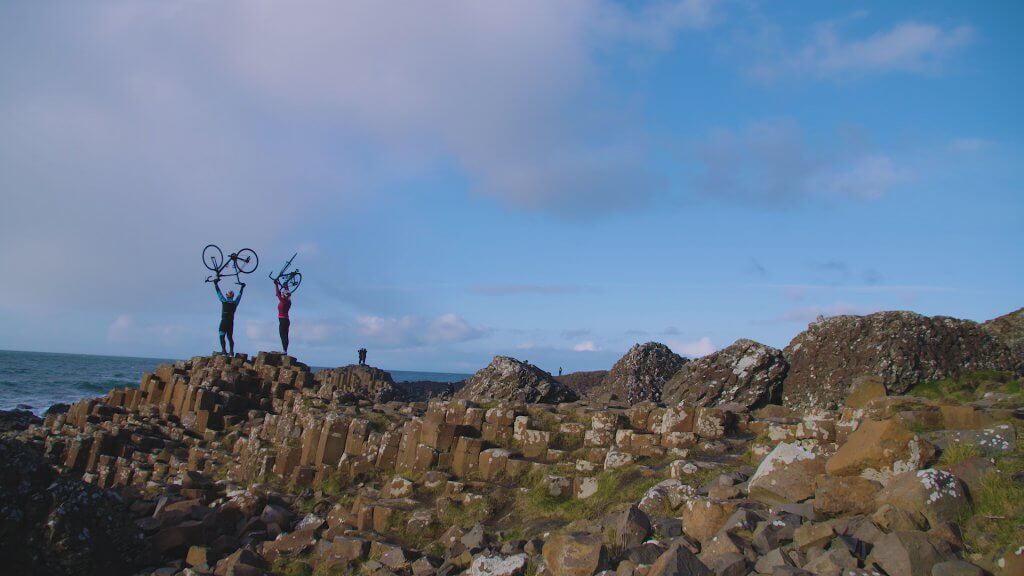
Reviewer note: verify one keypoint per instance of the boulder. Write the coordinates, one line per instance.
(703, 517)
(57, 525)
(879, 450)
(907, 553)
(640, 374)
(786, 475)
(16, 420)
(1008, 329)
(498, 565)
(901, 349)
(843, 495)
(935, 495)
(575, 554)
(747, 373)
(678, 560)
(508, 379)
(583, 382)
(628, 528)
(357, 381)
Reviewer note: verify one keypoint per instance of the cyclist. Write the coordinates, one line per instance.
(284, 302)
(229, 303)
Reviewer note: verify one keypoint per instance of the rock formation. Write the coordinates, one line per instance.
(901, 349)
(746, 372)
(358, 381)
(59, 525)
(17, 420)
(252, 466)
(582, 383)
(512, 380)
(640, 374)
(1008, 329)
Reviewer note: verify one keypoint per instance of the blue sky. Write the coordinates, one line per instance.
(549, 180)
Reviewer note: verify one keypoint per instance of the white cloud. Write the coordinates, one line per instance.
(121, 328)
(770, 163)
(586, 346)
(414, 331)
(917, 47)
(694, 349)
(867, 177)
(968, 145)
(144, 130)
(126, 329)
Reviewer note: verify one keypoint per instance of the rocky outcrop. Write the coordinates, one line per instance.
(1008, 329)
(508, 379)
(747, 373)
(640, 374)
(582, 383)
(901, 349)
(58, 525)
(13, 420)
(357, 381)
(248, 466)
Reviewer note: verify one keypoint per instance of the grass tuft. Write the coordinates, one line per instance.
(968, 387)
(958, 453)
(614, 487)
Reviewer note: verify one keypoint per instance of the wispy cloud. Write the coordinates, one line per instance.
(692, 349)
(586, 346)
(915, 47)
(770, 163)
(415, 331)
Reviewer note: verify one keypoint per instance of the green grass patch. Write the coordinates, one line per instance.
(463, 515)
(291, 567)
(958, 453)
(614, 487)
(995, 520)
(968, 387)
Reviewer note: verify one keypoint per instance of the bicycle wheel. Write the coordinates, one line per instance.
(213, 258)
(247, 261)
(293, 281)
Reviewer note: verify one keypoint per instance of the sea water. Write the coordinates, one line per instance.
(37, 380)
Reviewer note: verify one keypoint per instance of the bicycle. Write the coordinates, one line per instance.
(288, 280)
(245, 261)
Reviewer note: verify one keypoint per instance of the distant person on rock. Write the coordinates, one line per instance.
(228, 305)
(559, 370)
(284, 303)
(362, 356)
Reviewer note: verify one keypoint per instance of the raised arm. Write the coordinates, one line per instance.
(240, 291)
(277, 289)
(216, 286)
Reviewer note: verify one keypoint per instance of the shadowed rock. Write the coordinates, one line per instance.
(583, 382)
(513, 380)
(901, 349)
(13, 420)
(1008, 329)
(747, 373)
(58, 525)
(641, 373)
(359, 382)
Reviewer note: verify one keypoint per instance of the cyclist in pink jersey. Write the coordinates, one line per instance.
(284, 302)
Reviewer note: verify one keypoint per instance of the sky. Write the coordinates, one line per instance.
(553, 181)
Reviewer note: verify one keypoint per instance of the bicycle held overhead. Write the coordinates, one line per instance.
(245, 261)
(288, 280)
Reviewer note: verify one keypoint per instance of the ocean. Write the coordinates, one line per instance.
(37, 380)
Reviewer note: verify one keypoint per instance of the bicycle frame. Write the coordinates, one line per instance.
(231, 259)
(283, 269)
